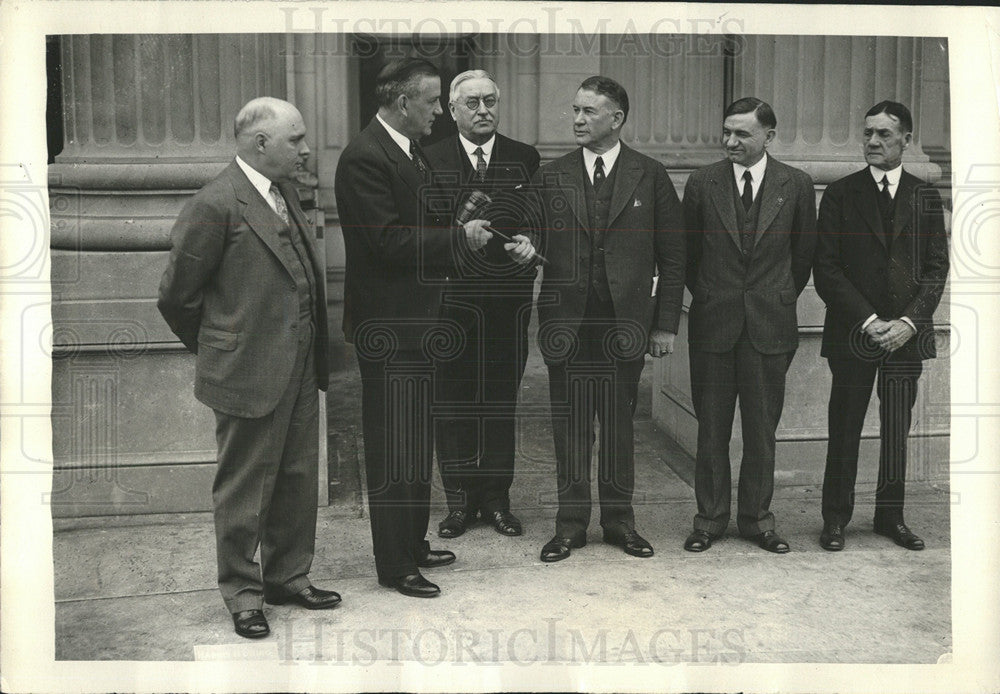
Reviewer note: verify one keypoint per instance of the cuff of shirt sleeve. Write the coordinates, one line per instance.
(908, 322)
(869, 321)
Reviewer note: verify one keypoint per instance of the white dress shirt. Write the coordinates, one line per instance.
(756, 174)
(609, 158)
(399, 138)
(259, 181)
(470, 149)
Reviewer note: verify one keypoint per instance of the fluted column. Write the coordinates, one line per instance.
(675, 86)
(820, 88)
(147, 121)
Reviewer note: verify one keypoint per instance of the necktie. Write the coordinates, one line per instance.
(279, 203)
(480, 165)
(598, 172)
(418, 160)
(886, 195)
(747, 196)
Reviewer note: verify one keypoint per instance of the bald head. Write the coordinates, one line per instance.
(270, 137)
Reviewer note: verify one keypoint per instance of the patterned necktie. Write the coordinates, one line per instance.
(279, 203)
(747, 196)
(418, 160)
(480, 165)
(598, 172)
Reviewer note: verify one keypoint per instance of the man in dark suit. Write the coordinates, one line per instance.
(751, 223)
(398, 255)
(881, 266)
(244, 291)
(610, 219)
(490, 297)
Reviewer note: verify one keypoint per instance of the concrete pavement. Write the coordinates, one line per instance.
(143, 587)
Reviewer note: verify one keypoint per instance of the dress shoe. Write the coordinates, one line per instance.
(506, 523)
(412, 585)
(558, 548)
(900, 534)
(310, 597)
(832, 537)
(251, 624)
(632, 542)
(698, 541)
(771, 541)
(435, 558)
(455, 523)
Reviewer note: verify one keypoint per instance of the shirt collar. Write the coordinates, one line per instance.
(609, 158)
(258, 180)
(470, 147)
(756, 171)
(893, 175)
(399, 138)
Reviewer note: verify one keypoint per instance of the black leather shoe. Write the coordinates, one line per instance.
(632, 542)
(900, 534)
(310, 597)
(832, 537)
(558, 548)
(506, 523)
(412, 585)
(455, 523)
(251, 624)
(435, 558)
(698, 541)
(772, 542)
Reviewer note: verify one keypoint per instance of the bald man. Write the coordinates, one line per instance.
(244, 291)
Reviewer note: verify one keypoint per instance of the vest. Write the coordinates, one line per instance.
(598, 204)
(293, 247)
(747, 219)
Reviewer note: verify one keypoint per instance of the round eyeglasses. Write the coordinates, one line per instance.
(472, 103)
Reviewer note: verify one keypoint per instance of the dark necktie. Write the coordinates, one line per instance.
(418, 159)
(598, 173)
(747, 196)
(886, 195)
(480, 165)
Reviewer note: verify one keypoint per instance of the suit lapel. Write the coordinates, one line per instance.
(904, 204)
(303, 223)
(772, 197)
(867, 203)
(578, 202)
(627, 178)
(258, 215)
(405, 168)
(722, 197)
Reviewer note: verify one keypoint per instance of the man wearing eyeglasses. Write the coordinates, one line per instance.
(490, 298)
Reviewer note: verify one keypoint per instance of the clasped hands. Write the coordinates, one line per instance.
(890, 335)
(519, 248)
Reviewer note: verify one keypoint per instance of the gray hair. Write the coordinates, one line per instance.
(256, 112)
(470, 75)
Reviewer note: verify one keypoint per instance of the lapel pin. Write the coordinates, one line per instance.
(637, 203)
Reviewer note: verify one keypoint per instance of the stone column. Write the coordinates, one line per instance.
(148, 120)
(820, 88)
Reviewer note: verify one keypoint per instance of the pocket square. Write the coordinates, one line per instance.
(637, 203)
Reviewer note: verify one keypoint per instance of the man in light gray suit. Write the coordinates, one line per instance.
(244, 290)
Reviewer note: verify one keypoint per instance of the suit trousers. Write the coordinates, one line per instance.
(396, 398)
(266, 490)
(849, 397)
(477, 390)
(717, 380)
(594, 383)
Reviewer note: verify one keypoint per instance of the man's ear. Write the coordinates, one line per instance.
(402, 101)
(769, 137)
(618, 119)
(260, 140)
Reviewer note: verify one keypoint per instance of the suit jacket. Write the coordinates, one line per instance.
(643, 238)
(397, 251)
(862, 268)
(730, 292)
(508, 175)
(228, 293)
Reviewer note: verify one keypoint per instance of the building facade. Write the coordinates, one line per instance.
(138, 123)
